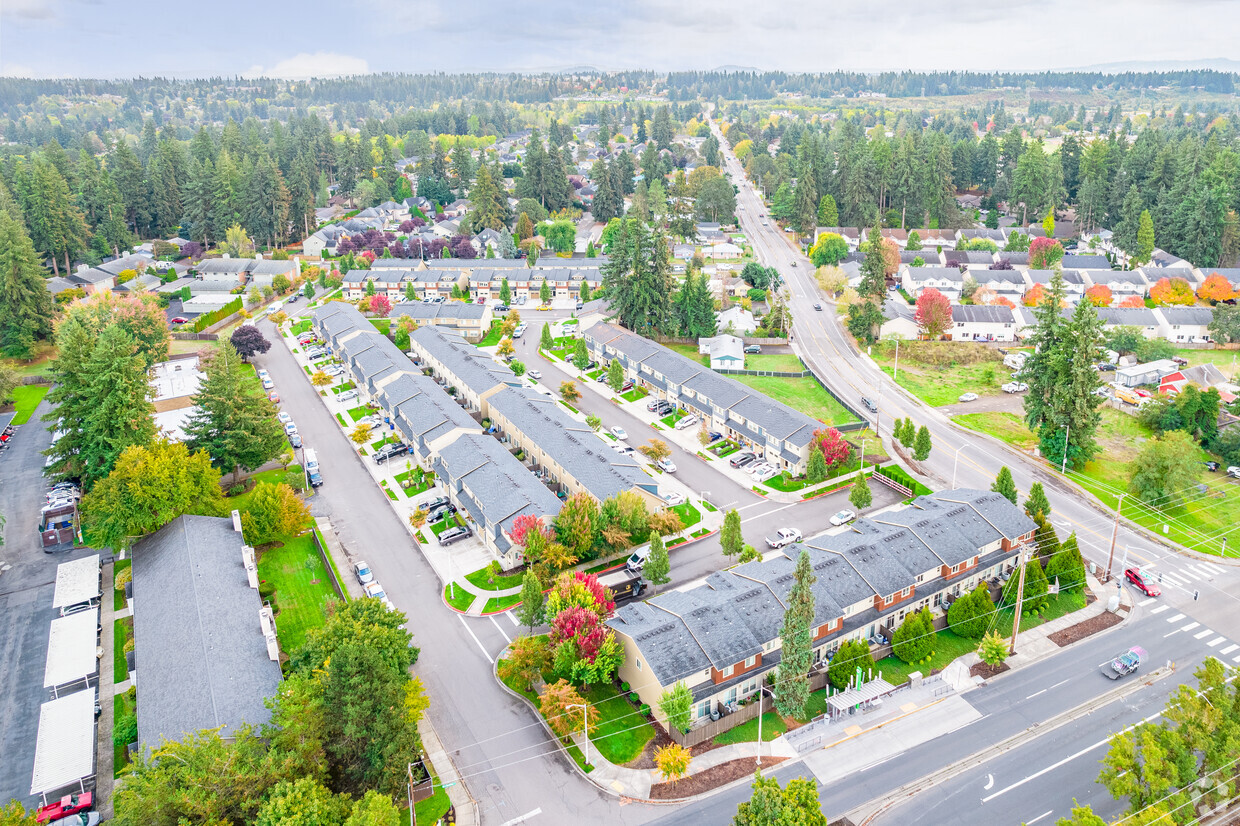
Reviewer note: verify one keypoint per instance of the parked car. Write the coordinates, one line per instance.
(294, 439)
(753, 349)
(274, 396)
(77, 608)
(626, 387)
(536, 375)
(968, 397)
(388, 451)
(1234, 472)
(1143, 582)
(653, 404)
(664, 408)
(180, 319)
(263, 374)
(441, 512)
(1015, 387)
(70, 804)
(501, 308)
(672, 499)
(619, 432)
(843, 518)
(307, 339)
(1183, 362)
(284, 416)
(290, 427)
(687, 422)
(817, 306)
(870, 404)
(268, 384)
(79, 819)
(315, 354)
(622, 449)
(375, 590)
(437, 502)
(742, 459)
(763, 471)
(666, 465)
(454, 535)
(782, 537)
(637, 560)
(363, 572)
(334, 370)
(1212, 466)
(347, 395)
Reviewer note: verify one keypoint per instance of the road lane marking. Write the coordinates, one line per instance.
(1236, 659)
(523, 817)
(1204, 633)
(1160, 609)
(1146, 601)
(1039, 817)
(768, 513)
(1190, 626)
(1214, 642)
(512, 617)
(1176, 618)
(501, 631)
(990, 782)
(1036, 693)
(1193, 575)
(470, 631)
(1058, 684)
(1229, 649)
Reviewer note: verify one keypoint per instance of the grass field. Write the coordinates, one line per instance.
(622, 731)
(118, 597)
(501, 603)
(122, 630)
(690, 351)
(434, 807)
(383, 325)
(121, 706)
(747, 732)
(502, 582)
(775, 362)
(458, 598)
(26, 398)
(241, 502)
(941, 384)
(635, 394)
(689, 515)
(302, 588)
(1007, 427)
(39, 364)
(493, 335)
(358, 412)
(803, 394)
(300, 327)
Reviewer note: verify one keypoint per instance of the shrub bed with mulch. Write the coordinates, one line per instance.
(1075, 633)
(986, 672)
(711, 778)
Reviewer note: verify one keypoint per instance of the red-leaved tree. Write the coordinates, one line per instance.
(380, 305)
(1004, 301)
(1172, 291)
(1043, 252)
(1215, 288)
(523, 524)
(1033, 296)
(1099, 295)
(834, 449)
(1132, 302)
(933, 314)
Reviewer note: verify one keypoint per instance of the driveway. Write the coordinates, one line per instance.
(26, 585)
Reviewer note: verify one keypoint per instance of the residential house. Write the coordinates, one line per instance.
(736, 320)
(947, 280)
(850, 234)
(469, 374)
(722, 250)
(471, 321)
(426, 417)
(458, 208)
(1149, 373)
(971, 259)
(928, 257)
(1073, 282)
(1163, 260)
(1202, 376)
(204, 643)
(1185, 325)
(726, 352)
(995, 235)
(1009, 284)
(769, 428)
(1085, 262)
(721, 637)
(900, 320)
(982, 322)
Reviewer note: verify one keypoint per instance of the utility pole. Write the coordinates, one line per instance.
(1020, 600)
(1114, 534)
(1067, 435)
(761, 690)
(585, 727)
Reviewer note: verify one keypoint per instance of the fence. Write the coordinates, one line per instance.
(713, 728)
(327, 563)
(35, 380)
(194, 336)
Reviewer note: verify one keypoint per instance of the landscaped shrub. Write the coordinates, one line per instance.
(125, 731)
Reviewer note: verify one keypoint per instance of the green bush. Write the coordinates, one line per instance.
(624, 687)
(915, 636)
(237, 490)
(125, 731)
(645, 709)
(634, 698)
(971, 615)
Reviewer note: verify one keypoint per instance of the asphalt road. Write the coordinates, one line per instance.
(26, 590)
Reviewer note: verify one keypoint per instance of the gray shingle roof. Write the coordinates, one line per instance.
(498, 484)
(457, 310)
(982, 313)
(420, 409)
(1188, 315)
(714, 623)
(1098, 262)
(928, 273)
(1128, 316)
(199, 644)
(468, 365)
(663, 639)
(1005, 517)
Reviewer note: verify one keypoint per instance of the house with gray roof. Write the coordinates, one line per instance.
(721, 636)
(1085, 262)
(982, 322)
(470, 374)
(947, 280)
(1185, 325)
(1010, 284)
(1142, 318)
(770, 428)
(726, 352)
(472, 321)
(426, 417)
(1073, 282)
(1122, 283)
(200, 631)
(572, 456)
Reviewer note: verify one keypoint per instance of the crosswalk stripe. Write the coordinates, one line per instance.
(1176, 618)
(1146, 601)
(1193, 575)
(1206, 572)
(1210, 566)
(1214, 642)
(1191, 626)
(1174, 580)
(1160, 609)
(1236, 659)
(1229, 649)
(1204, 633)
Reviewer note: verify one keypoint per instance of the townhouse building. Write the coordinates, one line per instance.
(472, 321)
(1122, 283)
(469, 374)
(947, 280)
(770, 429)
(1073, 282)
(1009, 284)
(721, 638)
(982, 322)
(1185, 325)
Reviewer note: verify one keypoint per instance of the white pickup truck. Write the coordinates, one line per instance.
(782, 537)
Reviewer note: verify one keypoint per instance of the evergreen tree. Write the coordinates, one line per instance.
(658, 567)
(828, 213)
(57, 227)
(853, 655)
(532, 611)
(972, 615)
(116, 409)
(860, 496)
(545, 340)
(1005, 485)
(1037, 501)
(199, 197)
(129, 177)
(233, 421)
(815, 467)
(1129, 222)
(637, 279)
(1067, 566)
(921, 448)
(796, 637)
(806, 205)
(730, 534)
(25, 304)
(489, 202)
(696, 307)
(1145, 238)
(913, 641)
(505, 292)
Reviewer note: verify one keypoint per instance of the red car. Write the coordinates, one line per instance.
(180, 320)
(1145, 394)
(68, 805)
(1142, 582)
(274, 396)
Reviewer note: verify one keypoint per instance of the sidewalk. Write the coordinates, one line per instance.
(105, 694)
(449, 778)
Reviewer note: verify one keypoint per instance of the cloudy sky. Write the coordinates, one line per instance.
(123, 38)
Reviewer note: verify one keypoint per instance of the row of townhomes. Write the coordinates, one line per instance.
(769, 428)
(438, 402)
(721, 637)
(480, 283)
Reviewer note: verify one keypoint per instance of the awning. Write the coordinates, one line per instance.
(71, 649)
(65, 752)
(76, 581)
(845, 700)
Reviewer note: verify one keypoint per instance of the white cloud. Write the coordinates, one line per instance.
(17, 70)
(29, 9)
(312, 64)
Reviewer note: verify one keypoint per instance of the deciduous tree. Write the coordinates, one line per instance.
(829, 250)
(852, 655)
(561, 705)
(1215, 288)
(658, 567)
(1165, 469)
(933, 314)
(1172, 291)
(249, 341)
(676, 703)
(730, 534)
(922, 447)
(527, 660)
(993, 649)
(770, 805)
(531, 612)
(860, 496)
(1100, 295)
(672, 761)
(274, 511)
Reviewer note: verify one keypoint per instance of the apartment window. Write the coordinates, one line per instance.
(639, 664)
(703, 709)
(727, 672)
(749, 663)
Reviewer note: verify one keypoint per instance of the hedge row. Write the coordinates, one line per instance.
(205, 321)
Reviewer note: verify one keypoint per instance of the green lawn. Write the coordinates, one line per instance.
(635, 394)
(1007, 427)
(383, 325)
(340, 419)
(340, 388)
(121, 706)
(300, 327)
(302, 588)
(358, 412)
(388, 439)
(690, 351)
(502, 582)
(777, 482)
(622, 731)
(775, 362)
(939, 385)
(39, 364)
(427, 480)
(241, 502)
(26, 398)
(689, 515)
(1225, 360)
(462, 599)
(747, 732)
(947, 647)
(121, 631)
(434, 807)
(442, 525)
(803, 394)
(493, 335)
(118, 597)
(501, 603)
(676, 415)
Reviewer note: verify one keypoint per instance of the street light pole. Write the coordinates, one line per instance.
(1114, 534)
(1063, 469)
(895, 371)
(761, 690)
(955, 465)
(585, 727)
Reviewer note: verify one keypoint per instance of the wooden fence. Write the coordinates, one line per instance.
(194, 336)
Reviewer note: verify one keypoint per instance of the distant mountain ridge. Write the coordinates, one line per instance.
(1219, 64)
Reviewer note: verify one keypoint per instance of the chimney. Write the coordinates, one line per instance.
(267, 622)
(236, 518)
(251, 565)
